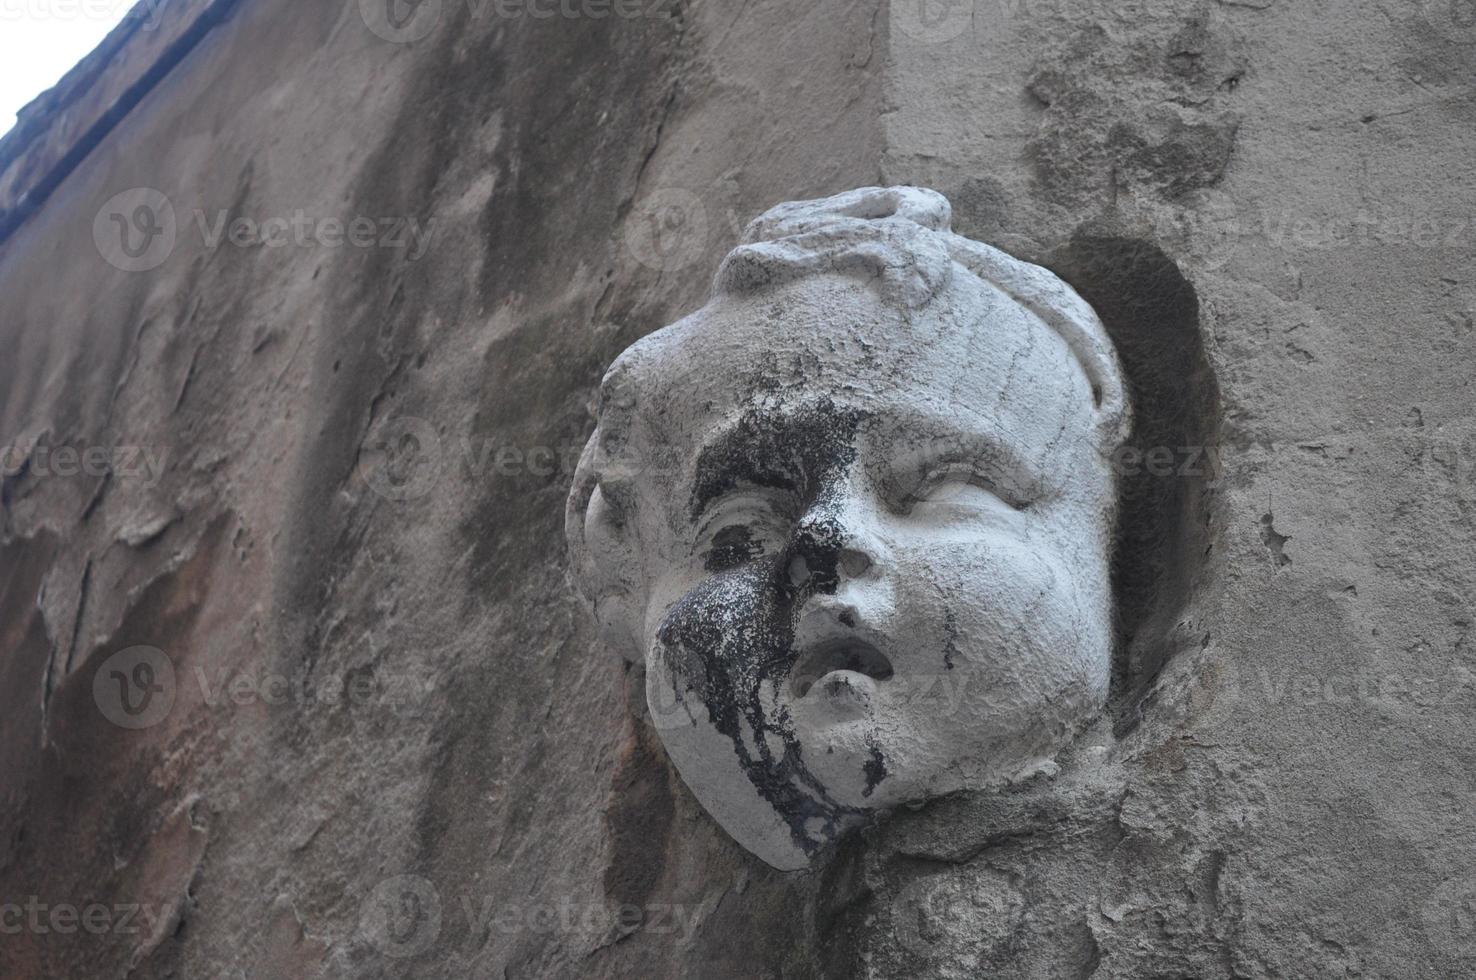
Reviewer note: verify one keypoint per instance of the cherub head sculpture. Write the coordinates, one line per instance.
(877, 464)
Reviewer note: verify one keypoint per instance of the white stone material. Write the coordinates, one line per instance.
(856, 516)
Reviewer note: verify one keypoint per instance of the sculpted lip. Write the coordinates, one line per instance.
(849, 654)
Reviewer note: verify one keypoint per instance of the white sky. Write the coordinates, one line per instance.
(41, 40)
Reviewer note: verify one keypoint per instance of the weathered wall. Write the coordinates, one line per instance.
(1296, 798)
(1295, 802)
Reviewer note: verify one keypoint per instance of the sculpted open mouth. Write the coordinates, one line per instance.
(838, 657)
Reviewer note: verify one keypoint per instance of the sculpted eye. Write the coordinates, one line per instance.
(741, 529)
(732, 546)
(964, 485)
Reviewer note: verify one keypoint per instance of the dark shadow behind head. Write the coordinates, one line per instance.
(1164, 534)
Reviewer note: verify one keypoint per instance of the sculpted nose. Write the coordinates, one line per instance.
(827, 548)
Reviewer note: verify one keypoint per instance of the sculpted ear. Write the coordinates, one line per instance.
(603, 554)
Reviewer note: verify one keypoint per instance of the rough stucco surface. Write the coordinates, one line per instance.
(1296, 798)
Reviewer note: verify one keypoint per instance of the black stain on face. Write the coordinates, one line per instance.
(733, 634)
(875, 768)
(794, 451)
(732, 547)
(950, 645)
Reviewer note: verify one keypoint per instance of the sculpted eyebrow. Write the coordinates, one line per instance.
(786, 451)
(733, 459)
(975, 449)
(998, 454)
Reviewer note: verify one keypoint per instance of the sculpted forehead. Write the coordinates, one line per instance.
(973, 359)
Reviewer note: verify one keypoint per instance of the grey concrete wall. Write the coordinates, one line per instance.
(428, 767)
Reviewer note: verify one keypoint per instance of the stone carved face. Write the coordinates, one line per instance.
(855, 514)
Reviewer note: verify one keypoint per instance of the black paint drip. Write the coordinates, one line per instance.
(735, 631)
(875, 768)
(950, 645)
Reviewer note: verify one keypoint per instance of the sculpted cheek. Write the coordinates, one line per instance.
(1008, 625)
(722, 638)
(720, 655)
